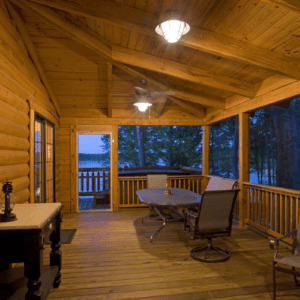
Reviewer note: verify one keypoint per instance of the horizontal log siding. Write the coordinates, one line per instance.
(19, 82)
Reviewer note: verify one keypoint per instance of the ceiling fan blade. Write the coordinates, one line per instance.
(167, 93)
(140, 91)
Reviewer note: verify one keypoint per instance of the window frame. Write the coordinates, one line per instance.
(44, 121)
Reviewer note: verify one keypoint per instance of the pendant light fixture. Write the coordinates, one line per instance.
(173, 28)
(142, 106)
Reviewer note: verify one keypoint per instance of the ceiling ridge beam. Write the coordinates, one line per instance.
(182, 71)
(33, 55)
(200, 39)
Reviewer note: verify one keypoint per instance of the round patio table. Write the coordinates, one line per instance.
(158, 200)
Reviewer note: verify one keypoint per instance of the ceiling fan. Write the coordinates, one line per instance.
(144, 97)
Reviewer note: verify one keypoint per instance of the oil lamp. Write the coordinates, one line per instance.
(7, 203)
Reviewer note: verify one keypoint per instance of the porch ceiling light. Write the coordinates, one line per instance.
(173, 28)
(142, 106)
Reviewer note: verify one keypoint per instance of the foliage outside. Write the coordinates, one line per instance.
(223, 149)
(275, 145)
(147, 146)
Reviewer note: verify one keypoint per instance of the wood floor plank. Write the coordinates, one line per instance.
(111, 257)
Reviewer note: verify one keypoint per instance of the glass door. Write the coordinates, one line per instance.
(94, 172)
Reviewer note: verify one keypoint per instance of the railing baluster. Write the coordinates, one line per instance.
(281, 213)
(277, 212)
(286, 214)
(267, 194)
(272, 210)
(292, 213)
(263, 204)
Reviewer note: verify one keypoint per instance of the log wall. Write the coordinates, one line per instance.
(20, 90)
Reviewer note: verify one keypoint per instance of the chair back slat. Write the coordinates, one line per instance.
(157, 181)
(215, 211)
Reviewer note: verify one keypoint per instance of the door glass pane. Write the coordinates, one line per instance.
(38, 167)
(49, 162)
(43, 161)
(94, 172)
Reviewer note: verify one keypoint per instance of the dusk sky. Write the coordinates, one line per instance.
(90, 143)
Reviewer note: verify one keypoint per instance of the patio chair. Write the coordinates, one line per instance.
(214, 219)
(291, 261)
(155, 182)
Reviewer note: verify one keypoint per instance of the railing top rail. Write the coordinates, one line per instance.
(169, 177)
(92, 169)
(274, 189)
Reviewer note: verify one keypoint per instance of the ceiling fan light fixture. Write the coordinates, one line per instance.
(142, 106)
(172, 29)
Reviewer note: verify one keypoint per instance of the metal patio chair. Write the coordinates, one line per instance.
(214, 219)
(291, 261)
(155, 181)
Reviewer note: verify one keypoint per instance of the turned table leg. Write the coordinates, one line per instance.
(33, 266)
(55, 254)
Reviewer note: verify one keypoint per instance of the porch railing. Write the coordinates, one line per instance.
(271, 209)
(129, 186)
(96, 183)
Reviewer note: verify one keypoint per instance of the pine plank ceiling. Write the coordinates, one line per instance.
(94, 51)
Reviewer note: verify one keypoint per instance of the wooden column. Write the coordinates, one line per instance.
(205, 150)
(114, 169)
(243, 165)
(205, 156)
(74, 174)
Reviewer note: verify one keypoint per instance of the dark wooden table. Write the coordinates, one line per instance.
(158, 200)
(24, 241)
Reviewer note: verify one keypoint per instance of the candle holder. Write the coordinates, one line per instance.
(7, 203)
(168, 190)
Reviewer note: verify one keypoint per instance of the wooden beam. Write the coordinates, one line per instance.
(160, 105)
(292, 5)
(243, 165)
(33, 54)
(109, 89)
(205, 150)
(182, 71)
(276, 95)
(82, 34)
(193, 108)
(200, 39)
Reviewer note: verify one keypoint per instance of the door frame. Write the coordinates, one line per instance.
(95, 130)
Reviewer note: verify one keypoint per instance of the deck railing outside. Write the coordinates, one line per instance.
(129, 186)
(271, 209)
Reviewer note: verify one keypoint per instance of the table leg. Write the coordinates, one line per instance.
(164, 219)
(55, 254)
(33, 266)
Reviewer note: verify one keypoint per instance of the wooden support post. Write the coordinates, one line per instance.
(243, 165)
(205, 150)
(114, 169)
(74, 175)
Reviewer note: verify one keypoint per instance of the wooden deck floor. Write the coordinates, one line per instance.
(111, 258)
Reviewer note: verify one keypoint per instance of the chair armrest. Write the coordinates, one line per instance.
(274, 243)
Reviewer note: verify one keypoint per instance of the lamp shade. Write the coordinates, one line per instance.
(142, 106)
(172, 30)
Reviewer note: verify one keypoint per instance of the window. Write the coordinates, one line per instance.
(43, 160)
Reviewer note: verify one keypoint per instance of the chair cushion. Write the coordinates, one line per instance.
(290, 260)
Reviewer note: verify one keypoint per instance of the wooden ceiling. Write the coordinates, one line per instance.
(93, 52)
